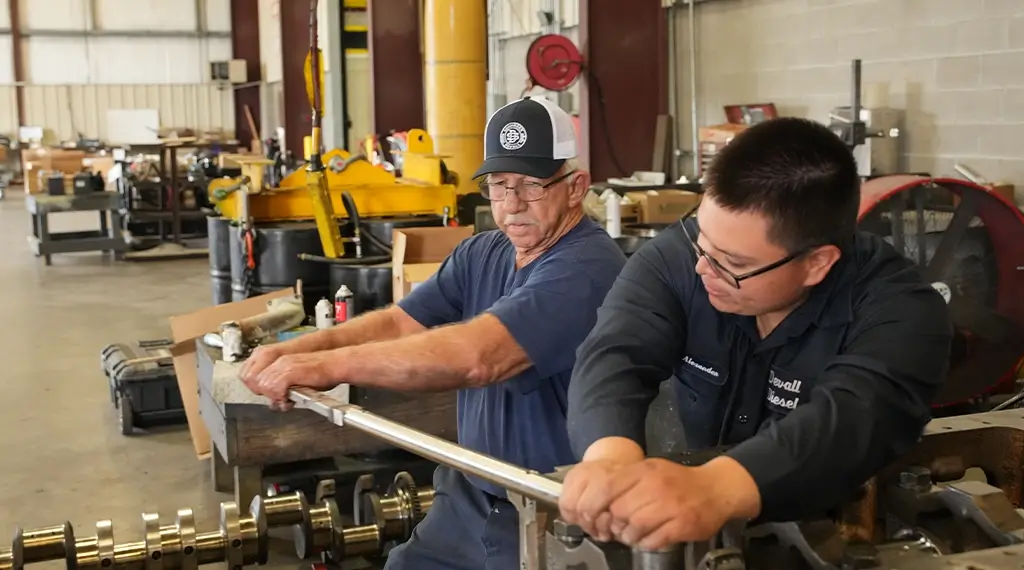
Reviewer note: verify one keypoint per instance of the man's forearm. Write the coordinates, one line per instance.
(446, 358)
(374, 326)
(618, 449)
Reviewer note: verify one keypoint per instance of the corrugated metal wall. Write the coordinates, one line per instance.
(519, 17)
(514, 24)
(79, 64)
(70, 109)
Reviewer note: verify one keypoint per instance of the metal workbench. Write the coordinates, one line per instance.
(108, 238)
(248, 438)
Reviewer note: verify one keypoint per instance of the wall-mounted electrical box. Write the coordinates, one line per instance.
(231, 71)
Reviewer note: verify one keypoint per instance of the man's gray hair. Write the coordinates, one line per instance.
(569, 165)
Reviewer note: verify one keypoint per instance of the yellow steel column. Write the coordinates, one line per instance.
(455, 82)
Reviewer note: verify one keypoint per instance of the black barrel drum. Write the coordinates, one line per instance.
(277, 249)
(220, 234)
(381, 228)
(371, 284)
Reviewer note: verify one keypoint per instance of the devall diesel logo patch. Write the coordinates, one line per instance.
(783, 394)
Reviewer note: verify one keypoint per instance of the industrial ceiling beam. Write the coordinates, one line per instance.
(17, 57)
(396, 66)
(625, 45)
(245, 44)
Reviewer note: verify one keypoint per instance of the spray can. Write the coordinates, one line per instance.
(342, 304)
(613, 214)
(324, 314)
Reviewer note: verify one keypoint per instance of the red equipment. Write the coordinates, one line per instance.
(973, 253)
(553, 62)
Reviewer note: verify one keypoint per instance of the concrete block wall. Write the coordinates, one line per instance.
(956, 67)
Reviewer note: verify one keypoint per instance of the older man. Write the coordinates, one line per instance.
(523, 299)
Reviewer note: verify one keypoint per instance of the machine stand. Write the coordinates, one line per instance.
(45, 243)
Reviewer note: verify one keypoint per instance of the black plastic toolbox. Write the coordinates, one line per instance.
(143, 386)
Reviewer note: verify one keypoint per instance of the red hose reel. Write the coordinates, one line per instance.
(553, 62)
(969, 242)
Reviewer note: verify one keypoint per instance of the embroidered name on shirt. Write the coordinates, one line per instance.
(702, 367)
(782, 393)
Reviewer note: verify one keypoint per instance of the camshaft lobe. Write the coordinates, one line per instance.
(242, 539)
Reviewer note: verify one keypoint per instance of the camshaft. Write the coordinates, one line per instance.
(241, 540)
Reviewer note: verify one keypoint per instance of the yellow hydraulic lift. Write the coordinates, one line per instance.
(318, 192)
(375, 191)
(316, 181)
(455, 74)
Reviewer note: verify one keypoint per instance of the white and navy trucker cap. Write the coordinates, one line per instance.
(533, 137)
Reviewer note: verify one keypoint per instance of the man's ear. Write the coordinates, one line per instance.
(818, 262)
(579, 185)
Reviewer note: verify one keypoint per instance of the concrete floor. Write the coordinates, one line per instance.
(63, 457)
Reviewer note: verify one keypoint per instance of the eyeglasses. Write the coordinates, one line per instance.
(723, 273)
(527, 191)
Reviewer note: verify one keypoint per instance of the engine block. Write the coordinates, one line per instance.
(952, 502)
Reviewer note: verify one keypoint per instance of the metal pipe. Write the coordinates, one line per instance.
(694, 141)
(667, 559)
(336, 131)
(492, 56)
(517, 479)
(855, 95)
(673, 89)
(564, 97)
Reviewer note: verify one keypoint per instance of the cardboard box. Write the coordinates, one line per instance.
(185, 329)
(712, 140)
(719, 135)
(630, 213)
(416, 253)
(45, 159)
(1004, 190)
(98, 164)
(663, 206)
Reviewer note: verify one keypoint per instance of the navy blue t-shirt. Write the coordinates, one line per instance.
(549, 307)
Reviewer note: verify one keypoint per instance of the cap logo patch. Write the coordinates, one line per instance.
(512, 136)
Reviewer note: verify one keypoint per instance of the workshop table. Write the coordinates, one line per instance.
(248, 438)
(107, 238)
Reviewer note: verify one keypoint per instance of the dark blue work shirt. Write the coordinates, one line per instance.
(838, 390)
(549, 307)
